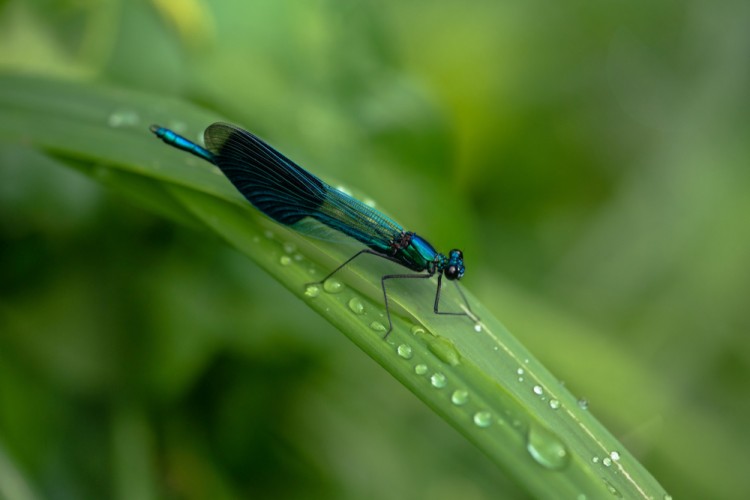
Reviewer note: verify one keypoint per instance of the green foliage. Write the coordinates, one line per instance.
(580, 157)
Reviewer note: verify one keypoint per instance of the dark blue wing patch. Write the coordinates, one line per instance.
(274, 184)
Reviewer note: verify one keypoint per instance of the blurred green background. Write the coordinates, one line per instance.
(591, 159)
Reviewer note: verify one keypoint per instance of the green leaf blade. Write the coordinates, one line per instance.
(482, 381)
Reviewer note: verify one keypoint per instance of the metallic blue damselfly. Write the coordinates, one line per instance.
(294, 197)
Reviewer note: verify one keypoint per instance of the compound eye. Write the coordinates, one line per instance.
(457, 253)
(451, 272)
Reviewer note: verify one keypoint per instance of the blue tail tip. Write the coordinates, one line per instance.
(156, 129)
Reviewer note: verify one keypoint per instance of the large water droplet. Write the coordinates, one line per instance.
(356, 306)
(405, 351)
(583, 404)
(538, 390)
(477, 327)
(332, 285)
(483, 418)
(285, 260)
(554, 404)
(445, 351)
(615, 456)
(607, 461)
(312, 291)
(420, 369)
(460, 397)
(546, 448)
(438, 380)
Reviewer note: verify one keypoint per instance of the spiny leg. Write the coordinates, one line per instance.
(347, 261)
(470, 314)
(463, 297)
(385, 294)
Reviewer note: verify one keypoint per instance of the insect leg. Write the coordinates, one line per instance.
(347, 261)
(470, 314)
(385, 294)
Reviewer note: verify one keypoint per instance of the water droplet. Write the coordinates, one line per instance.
(405, 351)
(312, 291)
(445, 351)
(344, 190)
(298, 257)
(417, 330)
(538, 390)
(483, 418)
(582, 496)
(520, 379)
(519, 371)
(123, 118)
(595, 460)
(377, 326)
(526, 361)
(369, 202)
(460, 397)
(268, 234)
(606, 461)
(289, 247)
(420, 369)
(477, 327)
(612, 489)
(285, 260)
(356, 306)
(554, 404)
(332, 286)
(546, 448)
(667, 497)
(614, 456)
(438, 380)
(583, 404)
